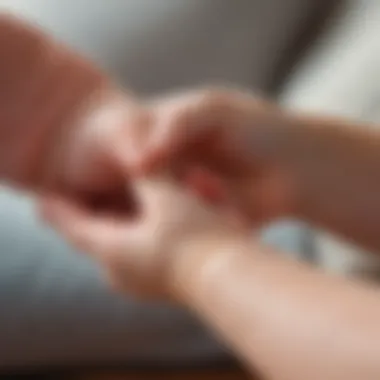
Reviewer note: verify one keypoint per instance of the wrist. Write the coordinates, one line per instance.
(298, 151)
(202, 260)
(272, 141)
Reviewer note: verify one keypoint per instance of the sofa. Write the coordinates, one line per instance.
(56, 310)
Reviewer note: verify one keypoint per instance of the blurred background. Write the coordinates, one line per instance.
(312, 55)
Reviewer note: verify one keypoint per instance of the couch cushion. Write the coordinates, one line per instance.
(162, 44)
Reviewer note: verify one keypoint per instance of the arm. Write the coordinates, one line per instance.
(284, 319)
(275, 163)
(334, 170)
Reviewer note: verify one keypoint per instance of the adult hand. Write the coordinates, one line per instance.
(230, 134)
(61, 120)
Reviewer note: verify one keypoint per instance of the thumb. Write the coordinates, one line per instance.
(97, 234)
(127, 140)
(173, 124)
(157, 194)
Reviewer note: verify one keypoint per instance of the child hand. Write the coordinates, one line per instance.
(145, 254)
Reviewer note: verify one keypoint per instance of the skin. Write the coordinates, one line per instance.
(61, 120)
(277, 315)
(320, 170)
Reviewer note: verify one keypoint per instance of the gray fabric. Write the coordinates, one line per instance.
(54, 307)
(158, 45)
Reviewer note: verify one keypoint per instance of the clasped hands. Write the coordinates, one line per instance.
(151, 187)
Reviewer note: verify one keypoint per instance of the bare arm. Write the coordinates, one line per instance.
(275, 162)
(334, 172)
(286, 320)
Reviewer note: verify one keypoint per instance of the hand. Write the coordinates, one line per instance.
(229, 133)
(61, 119)
(91, 161)
(145, 254)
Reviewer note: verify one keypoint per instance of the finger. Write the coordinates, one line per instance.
(134, 139)
(121, 129)
(154, 193)
(189, 129)
(177, 122)
(206, 185)
(98, 235)
(217, 194)
(162, 200)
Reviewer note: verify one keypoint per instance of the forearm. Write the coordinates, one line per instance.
(285, 319)
(333, 168)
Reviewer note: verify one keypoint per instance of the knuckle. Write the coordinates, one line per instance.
(214, 97)
(210, 107)
(187, 115)
(203, 99)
